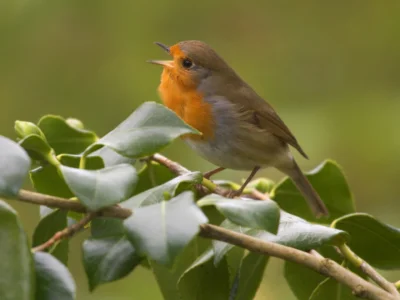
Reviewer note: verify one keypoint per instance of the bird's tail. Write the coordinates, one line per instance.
(314, 201)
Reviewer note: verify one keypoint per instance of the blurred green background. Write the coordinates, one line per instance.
(330, 68)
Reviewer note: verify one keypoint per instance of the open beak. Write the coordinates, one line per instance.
(165, 63)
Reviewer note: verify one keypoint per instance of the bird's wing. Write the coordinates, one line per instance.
(265, 116)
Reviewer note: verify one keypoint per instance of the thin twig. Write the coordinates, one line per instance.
(66, 232)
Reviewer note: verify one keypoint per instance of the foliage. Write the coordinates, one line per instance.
(71, 162)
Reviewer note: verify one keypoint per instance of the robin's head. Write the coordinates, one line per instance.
(192, 62)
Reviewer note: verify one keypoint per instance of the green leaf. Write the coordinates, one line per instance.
(72, 160)
(147, 130)
(246, 212)
(167, 278)
(63, 137)
(38, 148)
(14, 166)
(293, 232)
(263, 185)
(152, 175)
(249, 276)
(47, 227)
(203, 280)
(16, 267)
(295, 274)
(298, 233)
(53, 280)
(330, 183)
(162, 230)
(156, 194)
(330, 289)
(302, 281)
(222, 248)
(101, 188)
(24, 129)
(47, 180)
(110, 157)
(372, 240)
(108, 255)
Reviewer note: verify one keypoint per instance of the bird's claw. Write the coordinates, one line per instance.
(232, 194)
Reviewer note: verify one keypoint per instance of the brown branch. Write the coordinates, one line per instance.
(178, 169)
(327, 267)
(378, 278)
(66, 232)
(358, 262)
(57, 202)
(360, 287)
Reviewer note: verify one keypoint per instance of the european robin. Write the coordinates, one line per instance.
(239, 129)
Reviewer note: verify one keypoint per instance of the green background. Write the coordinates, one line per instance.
(330, 68)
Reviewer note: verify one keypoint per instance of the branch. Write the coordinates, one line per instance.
(66, 204)
(360, 287)
(66, 232)
(177, 169)
(327, 267)
(367, 269)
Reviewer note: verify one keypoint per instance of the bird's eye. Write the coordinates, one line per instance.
(187, 63)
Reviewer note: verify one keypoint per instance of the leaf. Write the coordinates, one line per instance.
(204, 280)
(16, 268)
(38, 148)
(73, 160)
(168, 278)
(372, 240)
(108, 255)
(222, 248)
(42, 176)
(110, 157)
(329, 289)
(295, 274)
(101, 188)
(246, 212)
(293, 232)
(53, 280)
(250, 275)
(63, 137)
(330, 183)
(263, 185)
(152, 175)
(156, 194)
(147, 130)
(162, 230)
(47, 227)
(298, 233)
(14, 166)
(302, 281)
(24, 129)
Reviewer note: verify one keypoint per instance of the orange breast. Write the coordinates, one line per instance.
(180, 95)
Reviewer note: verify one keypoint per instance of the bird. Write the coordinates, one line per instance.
(239, 129)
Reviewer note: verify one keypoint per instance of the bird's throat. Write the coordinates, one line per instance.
(187, 103)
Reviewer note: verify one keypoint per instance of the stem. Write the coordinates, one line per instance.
(66, 232)
(82, 162)
(350, 255)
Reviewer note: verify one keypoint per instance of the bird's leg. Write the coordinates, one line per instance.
(233, 194)
(212, 172)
